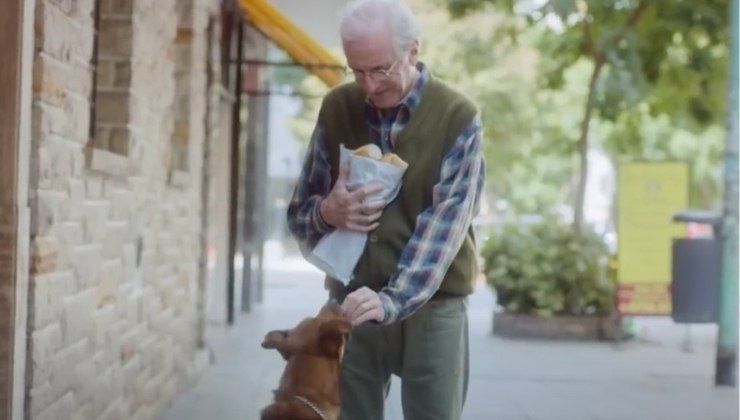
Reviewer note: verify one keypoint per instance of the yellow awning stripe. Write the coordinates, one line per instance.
(299, 45)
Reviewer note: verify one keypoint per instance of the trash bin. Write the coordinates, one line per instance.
(696, 271)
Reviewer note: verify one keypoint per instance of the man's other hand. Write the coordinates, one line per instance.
(345, 209)
(363, 305)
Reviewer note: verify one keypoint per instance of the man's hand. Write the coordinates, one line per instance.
(363, 305)
(345, 209)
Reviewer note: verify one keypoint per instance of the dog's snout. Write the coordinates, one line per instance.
(273, 339)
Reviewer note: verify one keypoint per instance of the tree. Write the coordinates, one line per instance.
(638, 50)
(528, 159)
(528, 77)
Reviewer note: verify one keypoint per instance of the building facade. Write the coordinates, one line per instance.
(130, 150)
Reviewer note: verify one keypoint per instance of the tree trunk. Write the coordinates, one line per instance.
(599, 59)
(583, 147)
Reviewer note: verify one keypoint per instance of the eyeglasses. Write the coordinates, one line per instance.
(377, 74)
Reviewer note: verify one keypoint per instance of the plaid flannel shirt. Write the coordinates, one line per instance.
(440, 229)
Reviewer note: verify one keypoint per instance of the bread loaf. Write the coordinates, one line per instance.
(372, 151)
(369, 150)
(394, 160)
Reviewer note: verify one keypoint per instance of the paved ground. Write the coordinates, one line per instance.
(652, 378)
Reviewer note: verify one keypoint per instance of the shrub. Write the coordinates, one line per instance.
(545, 269)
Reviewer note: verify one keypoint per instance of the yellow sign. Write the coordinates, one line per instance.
(649, 195)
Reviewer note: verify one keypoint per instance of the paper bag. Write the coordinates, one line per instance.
(337, 253)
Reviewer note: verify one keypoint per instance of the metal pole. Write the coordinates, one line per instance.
(205, 187)
(726, 368)
(251, 198)
(264, 188)
(234, 186)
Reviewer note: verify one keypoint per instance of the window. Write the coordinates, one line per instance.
(110, 98)
(182, 48)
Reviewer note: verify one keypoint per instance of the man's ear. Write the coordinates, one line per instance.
(278, 340)
(332, 336)
(414, 53)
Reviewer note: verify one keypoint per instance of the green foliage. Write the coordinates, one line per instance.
(303, 123)
(528, 133)
(670, 41)
(661, 94)
(683, 54)
(545, 269)
(306, 86)
(664, 72)
(636, 135)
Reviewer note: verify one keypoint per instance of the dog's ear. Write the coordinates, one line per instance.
(278, 340)
(332, 336)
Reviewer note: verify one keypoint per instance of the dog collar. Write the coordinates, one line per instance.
(311, 405)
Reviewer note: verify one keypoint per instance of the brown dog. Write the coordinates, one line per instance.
(309, 387)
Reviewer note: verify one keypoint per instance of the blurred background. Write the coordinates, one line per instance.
(150, 150)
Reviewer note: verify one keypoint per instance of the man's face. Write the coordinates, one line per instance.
(383, 76)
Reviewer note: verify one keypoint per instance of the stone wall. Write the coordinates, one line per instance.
(115, 304)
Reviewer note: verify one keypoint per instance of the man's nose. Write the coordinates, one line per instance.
(370, 85)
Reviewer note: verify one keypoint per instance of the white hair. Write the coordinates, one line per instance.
(360, 16)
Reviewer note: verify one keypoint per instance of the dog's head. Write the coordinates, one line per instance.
(323, 335)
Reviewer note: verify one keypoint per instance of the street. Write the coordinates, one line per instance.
(644, 379)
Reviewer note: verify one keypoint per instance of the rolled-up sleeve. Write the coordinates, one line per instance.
(304, 220)
(440, 229)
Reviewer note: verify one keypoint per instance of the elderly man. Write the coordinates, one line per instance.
(407, 298)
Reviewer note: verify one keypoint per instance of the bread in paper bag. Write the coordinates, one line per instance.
(369, 150)
(337, 253)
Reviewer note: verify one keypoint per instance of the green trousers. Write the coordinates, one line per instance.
(428, 351)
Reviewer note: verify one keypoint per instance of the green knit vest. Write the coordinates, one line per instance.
(438, 119)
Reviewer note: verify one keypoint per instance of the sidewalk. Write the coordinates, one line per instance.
(648, 379)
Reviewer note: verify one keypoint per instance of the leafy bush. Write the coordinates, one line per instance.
(545, 269)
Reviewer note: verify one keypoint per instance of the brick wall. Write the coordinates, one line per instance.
(114, 308)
